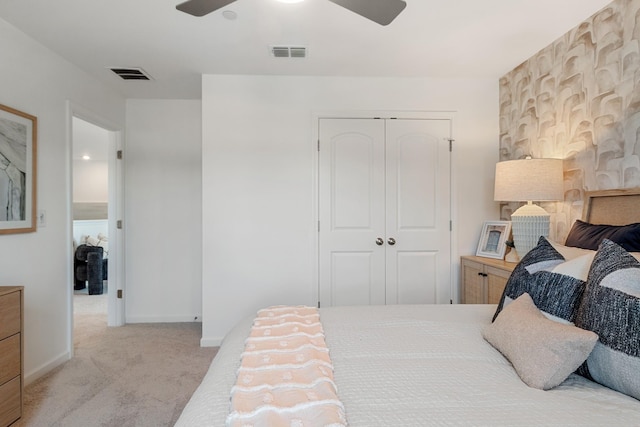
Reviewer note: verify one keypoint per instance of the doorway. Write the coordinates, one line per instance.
(96, 208)
(90, 198)
(385, 211)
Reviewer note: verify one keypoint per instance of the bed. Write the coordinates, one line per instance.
(417, 365)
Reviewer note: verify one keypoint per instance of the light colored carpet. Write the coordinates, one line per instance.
(135, 375)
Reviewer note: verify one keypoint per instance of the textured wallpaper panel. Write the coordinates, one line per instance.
(579, 99)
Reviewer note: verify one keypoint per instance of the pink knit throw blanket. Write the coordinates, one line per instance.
(286, 375)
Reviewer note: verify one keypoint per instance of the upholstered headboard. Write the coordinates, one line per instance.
(614, 207)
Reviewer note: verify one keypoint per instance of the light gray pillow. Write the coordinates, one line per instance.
(543, 352)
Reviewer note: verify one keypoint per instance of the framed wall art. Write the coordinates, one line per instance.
(492, 239)
(18, 148)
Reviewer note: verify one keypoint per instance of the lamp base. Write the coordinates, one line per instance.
(528, 223)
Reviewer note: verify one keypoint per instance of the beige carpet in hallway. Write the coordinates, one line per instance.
(135, 375)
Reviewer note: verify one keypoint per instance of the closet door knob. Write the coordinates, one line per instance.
(391, 241)
(379, 241)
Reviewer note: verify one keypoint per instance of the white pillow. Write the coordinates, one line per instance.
(92, 241)
(569, 252)
(105, 246)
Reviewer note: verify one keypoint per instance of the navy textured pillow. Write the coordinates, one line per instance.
(589, 236)
(611, 309)
(557, 295)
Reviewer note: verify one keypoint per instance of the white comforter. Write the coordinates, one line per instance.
(422, 365)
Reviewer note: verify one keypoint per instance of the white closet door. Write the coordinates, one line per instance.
(352, 212)
(417, 211)
(384, 209)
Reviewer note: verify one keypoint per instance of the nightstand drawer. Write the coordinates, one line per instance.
(9, 358)
(9, 314)
(10, 402)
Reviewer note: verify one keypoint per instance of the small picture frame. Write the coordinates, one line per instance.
(492, 239)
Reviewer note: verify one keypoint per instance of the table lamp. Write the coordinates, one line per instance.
(529, 180)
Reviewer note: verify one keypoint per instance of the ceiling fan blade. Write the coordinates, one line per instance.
(202, 7)
(380, 11)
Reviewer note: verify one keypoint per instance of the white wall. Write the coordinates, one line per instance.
(163, 211)
(40, 83)
(90, 177)
(90, 181)
(258, 172)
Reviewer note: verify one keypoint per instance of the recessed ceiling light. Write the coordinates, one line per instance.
(86, 157)
(290, 1)
(229, 14)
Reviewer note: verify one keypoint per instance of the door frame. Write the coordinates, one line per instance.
(115, 212)
(315, 168)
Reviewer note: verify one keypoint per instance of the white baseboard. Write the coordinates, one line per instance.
(210, 342)
(164, 319)
(44, 369)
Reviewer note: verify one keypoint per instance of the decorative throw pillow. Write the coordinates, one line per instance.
(611, 308)
(543, 352)
(576, 267)
(589, 236)
(556, 295)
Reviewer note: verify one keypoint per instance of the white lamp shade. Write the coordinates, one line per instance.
(526, 181)
(529, 180)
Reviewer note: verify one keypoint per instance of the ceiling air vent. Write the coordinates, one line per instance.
(298, 52)
(289, 51)
(131, 73)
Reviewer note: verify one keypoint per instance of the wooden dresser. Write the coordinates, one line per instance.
(11, 348)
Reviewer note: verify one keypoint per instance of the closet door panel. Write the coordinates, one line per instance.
(352, 212)
(352, 275)
(418, 211)
(414, 272)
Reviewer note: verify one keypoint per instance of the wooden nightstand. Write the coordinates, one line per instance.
(483, 279)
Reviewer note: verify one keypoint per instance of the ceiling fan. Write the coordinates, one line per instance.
(380, 11)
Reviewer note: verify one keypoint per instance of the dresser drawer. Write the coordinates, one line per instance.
(10, 402)
(9, 314)
(9, 358)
